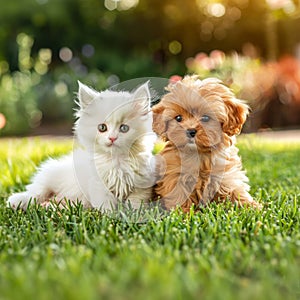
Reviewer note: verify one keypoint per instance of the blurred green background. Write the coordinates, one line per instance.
(47, 45)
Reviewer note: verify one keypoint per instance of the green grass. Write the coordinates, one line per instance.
(221, 253)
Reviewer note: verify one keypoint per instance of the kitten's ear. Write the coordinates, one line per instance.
(85, 95)
(142, 98)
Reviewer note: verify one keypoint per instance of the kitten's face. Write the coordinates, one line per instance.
(112, 122)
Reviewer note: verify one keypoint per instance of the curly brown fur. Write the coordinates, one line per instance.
(199, 164)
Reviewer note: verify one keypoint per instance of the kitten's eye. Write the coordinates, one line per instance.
(205, 118)
(124, 128)
(102, 127)
(178, 118)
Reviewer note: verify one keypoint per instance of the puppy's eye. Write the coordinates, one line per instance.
(205, 118)
(124, 128)
(102, 127)
(178, 118)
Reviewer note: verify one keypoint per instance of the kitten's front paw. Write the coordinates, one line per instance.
(19, 200)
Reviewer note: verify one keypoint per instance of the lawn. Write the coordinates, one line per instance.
(223, 252)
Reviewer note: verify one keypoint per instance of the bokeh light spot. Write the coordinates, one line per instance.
(113, 79)
(4, 67)
(61, 89)
(234, 13)
(24, 40)
(41, 68)
(127, 4)
(2, 121)
(120, 4)
(111, 4)
(175, 47)
(65, 54)
(207, 27)
(35, 118)
(287, 5)
(88, 50)
(216, 10)
(45, 55)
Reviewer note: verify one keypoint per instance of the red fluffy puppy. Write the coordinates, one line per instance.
(199, 164)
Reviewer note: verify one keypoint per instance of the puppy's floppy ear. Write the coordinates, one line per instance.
(159, 123)
(237, 113)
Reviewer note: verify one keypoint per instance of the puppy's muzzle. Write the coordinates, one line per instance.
(191, 133)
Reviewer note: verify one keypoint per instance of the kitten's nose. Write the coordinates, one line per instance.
(191, 132)
(112, 138)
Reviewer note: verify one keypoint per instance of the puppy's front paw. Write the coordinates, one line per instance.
(250, 202)
(19, 200)
(255, 204)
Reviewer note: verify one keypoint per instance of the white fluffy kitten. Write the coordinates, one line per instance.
(112, 162)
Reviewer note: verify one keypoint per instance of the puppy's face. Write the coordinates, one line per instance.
(186, 126)
(198, 114)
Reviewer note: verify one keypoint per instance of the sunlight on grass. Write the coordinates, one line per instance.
(20, 157)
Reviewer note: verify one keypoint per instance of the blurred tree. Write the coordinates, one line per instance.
(102, 42)
(153, 37)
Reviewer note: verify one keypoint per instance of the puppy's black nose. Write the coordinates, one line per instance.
(191, 133)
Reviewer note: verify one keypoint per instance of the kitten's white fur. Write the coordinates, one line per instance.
(106, 167)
